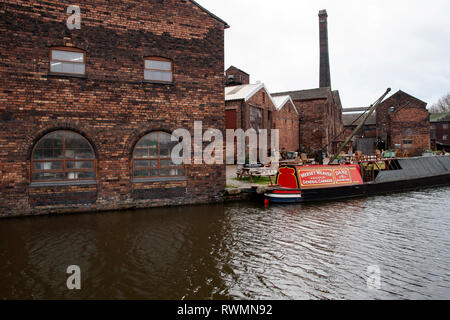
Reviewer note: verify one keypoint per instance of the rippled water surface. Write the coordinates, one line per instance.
(236, 251)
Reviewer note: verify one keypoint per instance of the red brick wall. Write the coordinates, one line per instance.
(313, 124)
(112, 106)
(409, 120)
(239, 77)
(442, 132)
(287, 121)
(321, 123)
(261, 100)
(411, 124)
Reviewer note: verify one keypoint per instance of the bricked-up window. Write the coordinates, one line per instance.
(65, 60)
(63, 156)
(256, 118)
(152, 157)
(158, 69)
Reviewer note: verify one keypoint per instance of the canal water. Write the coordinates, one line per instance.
(383, 247)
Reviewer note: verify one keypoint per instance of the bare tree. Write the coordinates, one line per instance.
(443, 105)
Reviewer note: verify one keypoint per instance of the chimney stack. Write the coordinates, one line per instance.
(325, 78)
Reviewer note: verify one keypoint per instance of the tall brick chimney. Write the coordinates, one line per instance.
(325, 77)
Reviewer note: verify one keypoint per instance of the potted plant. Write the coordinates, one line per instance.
(428, 153)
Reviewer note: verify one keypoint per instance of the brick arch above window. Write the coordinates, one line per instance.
(143, 129)
(62, 155)
(152, 157)
(32, 138)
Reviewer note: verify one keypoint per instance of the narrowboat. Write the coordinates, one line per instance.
(295, 183)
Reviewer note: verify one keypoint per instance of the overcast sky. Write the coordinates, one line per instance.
(373, 45)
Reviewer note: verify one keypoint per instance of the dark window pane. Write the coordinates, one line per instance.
(153, 153)
(142, 163)
(149, 140)
(75, 141)
(79, 175)
(48, 165)
(141, 153)
(141, 173)
(52, 140)
(48, 176)
(79, 154)
(163, 152)
(168, 163)
(79, 165)
(41, 154)
(165, 163)
(165, 172)
(58, 154)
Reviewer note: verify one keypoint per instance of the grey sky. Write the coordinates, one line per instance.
(373, 45)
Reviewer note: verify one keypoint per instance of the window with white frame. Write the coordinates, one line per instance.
(158, 69)
(67, 60)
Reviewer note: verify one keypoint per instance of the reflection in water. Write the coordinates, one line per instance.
(236, 251)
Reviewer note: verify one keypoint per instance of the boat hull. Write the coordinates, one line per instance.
(283, 198)
(367, 189)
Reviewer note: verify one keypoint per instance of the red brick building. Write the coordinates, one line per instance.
(403, 123)
(235, 77)
(320, 118)
(250, 106)
(287, 121)
(440, 131)
(85, 113)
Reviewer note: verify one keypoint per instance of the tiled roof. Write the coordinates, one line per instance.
(310, 94)
(237, 69)
(443, 116)
(349, 119)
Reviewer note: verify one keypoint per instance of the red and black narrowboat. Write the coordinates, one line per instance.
(295, 183)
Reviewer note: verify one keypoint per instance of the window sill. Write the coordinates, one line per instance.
(162, 179)
(62, 183)
(65, 75)
(158, 82)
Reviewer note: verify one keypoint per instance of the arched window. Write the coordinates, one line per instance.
(63, 156)
(151, 157)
